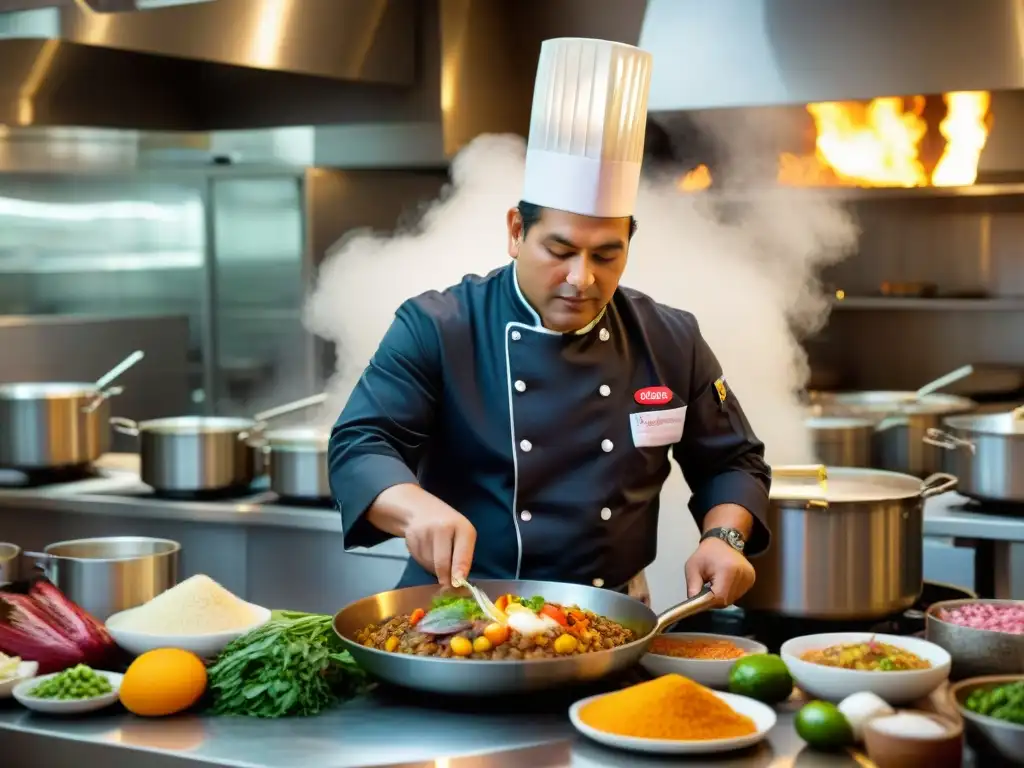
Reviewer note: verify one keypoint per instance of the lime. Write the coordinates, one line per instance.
(823, 726)
(762, 676)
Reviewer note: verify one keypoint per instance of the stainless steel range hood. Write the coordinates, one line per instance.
(737, 53)
(207, 65)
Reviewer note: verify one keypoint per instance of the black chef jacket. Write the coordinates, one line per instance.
(555, 446)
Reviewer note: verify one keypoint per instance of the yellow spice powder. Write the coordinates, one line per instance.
(669, 707)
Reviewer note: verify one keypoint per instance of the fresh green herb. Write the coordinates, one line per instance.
(1003, 702)
(461, 607)
(77, 683)
(294, 665)
(534, 603)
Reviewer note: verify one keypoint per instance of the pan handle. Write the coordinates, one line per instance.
(700, 602)
(941, 439)
(938, 483)
(124, 426)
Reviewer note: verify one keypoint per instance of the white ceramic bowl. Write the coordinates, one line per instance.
(834, 684)
(204, 646)
(26, 670)
(713, 673)
(66, 707)
(764, 718)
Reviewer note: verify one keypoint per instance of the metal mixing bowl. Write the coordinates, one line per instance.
(1005, 740)
(975, 652)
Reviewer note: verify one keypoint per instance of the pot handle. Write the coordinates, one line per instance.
(101, 397)
(124, 426)
(43, 562)
(941, 439)
(817, 472)
(698, 603)
(936, 484)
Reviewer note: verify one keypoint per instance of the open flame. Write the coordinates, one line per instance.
(878, 145)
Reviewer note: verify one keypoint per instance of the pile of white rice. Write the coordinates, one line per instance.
(196, 606)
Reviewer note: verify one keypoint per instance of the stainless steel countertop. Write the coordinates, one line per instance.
(120, 493)
(374, 731)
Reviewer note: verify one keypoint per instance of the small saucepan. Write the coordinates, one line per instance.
(203, 454)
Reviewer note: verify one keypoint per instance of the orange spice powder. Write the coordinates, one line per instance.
(694, 648)
(669, 707)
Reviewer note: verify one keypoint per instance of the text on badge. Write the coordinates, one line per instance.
(653, 395)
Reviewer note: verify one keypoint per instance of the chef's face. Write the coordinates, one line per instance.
(568, 266)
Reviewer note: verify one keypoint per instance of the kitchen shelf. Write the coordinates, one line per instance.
(880, 303)
(1009, 189)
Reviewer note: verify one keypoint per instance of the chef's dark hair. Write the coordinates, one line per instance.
(531, 214)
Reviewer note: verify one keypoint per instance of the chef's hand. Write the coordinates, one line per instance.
(728, 571)
(442, 541)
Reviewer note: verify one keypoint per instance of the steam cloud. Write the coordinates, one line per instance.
(751, 282)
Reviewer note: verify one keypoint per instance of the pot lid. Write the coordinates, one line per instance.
(837, 422)
(1006, 424)
(887, 403)
(846, 484)
(46, 389)
(182, 425)
(299, 437)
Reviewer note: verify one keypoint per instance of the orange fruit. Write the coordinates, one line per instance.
(163, 682)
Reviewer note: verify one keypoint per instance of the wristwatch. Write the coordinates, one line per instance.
(730, 536)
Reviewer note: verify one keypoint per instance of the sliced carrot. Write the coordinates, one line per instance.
(555, 613)
(415, 617)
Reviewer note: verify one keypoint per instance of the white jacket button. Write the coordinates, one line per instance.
(516, 335)
(605, 390)
(520, 386)
(606, 514)
(525, 516)
(526, 445)
(604, 335)
(598, 582)
(607, 445)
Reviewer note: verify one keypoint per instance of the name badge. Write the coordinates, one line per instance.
(653, 429)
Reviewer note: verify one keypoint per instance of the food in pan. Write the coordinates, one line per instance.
(1003, 702)
(454, 627)
(1007, 618)
(668, 707)
(696, 648)
(871, 656)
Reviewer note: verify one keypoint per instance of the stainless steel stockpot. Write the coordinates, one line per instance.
(204, 454)
(841, 441)
(986, 451)
(10, 562)
(901, 423)
(194, 454)
(47, 426)
(107, 575)
(297, 462)
(57, 425)
(847, 543)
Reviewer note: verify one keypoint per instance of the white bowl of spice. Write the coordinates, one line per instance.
(197, 615)
(702, 657)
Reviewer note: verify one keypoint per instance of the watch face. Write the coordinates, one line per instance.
(735, 539)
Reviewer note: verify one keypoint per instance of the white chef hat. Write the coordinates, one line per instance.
(587, 127)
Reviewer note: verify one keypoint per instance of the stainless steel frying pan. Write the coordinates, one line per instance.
(492, 678)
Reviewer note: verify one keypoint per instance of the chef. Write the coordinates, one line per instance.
(519, 425)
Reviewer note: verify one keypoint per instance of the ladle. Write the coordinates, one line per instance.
(106, 379)
(897, 417)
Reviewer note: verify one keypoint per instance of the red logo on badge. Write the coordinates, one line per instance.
(653, 395)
